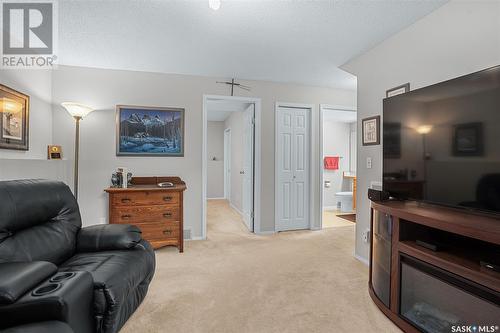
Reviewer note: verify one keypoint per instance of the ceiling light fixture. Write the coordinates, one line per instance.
(214, 4)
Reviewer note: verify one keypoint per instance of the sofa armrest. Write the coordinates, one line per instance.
(105, 237)
(66, 300)
(17, 278)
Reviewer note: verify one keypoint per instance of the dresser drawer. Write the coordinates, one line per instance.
(152, 231)
(145, 198)
(139, 214)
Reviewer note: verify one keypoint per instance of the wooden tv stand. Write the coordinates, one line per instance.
(427, 258)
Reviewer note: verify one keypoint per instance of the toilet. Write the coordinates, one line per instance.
(344, 201)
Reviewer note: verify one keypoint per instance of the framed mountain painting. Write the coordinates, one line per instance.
(149, 131)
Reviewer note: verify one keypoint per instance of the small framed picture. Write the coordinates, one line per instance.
(14, 119)
(398, 90)
(371, 131)
(468, 139)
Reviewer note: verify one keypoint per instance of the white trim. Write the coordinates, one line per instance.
(322, 108)
(266, 233)
(363, 260)
(329, 208)
(227, 163)
(197, 238)
(311, 108)
(236, 209)
(217, 198)
(257, 163)
(337, 107)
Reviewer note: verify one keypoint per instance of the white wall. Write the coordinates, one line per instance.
(215, 168)
(336, 143)
(104, 89)
(16, 164)
(458, 38)
(237, 125)
(353, 147)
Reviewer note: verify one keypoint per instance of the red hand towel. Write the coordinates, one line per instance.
(331, 162)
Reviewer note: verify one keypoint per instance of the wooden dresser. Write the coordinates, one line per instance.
(157, 211)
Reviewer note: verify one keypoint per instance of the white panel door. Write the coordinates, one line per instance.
(292, 168)
(248, 161)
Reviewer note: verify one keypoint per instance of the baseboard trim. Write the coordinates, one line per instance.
(264, 233)
(236, 209)
(329, 207)
(363, 260)
(197, 238)
(216, 198)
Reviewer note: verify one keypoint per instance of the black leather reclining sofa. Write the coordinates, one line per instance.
(58, 277)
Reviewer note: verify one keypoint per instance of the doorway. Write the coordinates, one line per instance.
(234, 176)
(292, 167)
(338, 128)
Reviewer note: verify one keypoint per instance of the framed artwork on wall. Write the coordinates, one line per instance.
(371, 131)
(14, 119)
(468, 139)
(149, 131)
(398, 90)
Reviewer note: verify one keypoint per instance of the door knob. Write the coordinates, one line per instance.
(242, 172)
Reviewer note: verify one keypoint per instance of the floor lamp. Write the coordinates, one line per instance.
(78, 111)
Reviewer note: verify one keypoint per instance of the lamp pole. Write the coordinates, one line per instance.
(77, 151)
(78, 111)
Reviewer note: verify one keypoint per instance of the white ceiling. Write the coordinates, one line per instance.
(218, 110)
(285, 41)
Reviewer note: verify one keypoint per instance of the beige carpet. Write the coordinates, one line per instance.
(306, 281)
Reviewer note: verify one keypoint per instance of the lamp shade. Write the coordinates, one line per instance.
(77, 109)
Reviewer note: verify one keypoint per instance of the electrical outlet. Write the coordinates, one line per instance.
(368, 162)
(366, 236)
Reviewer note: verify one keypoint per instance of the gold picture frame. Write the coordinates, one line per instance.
(14, 119)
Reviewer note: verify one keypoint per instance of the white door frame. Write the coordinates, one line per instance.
(257, 164)
(322, 108)
(311, 108)
(227, 164)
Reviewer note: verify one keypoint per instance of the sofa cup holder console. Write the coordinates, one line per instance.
(62, 276)
(46, 289)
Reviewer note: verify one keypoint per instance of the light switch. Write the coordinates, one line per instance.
(368, 162)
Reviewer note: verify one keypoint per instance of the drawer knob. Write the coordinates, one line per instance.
(167, 214)
(126, 217)
(126, 200)
(169, 198)
(167, 232)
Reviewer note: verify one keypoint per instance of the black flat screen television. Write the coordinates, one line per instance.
(441, 143)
